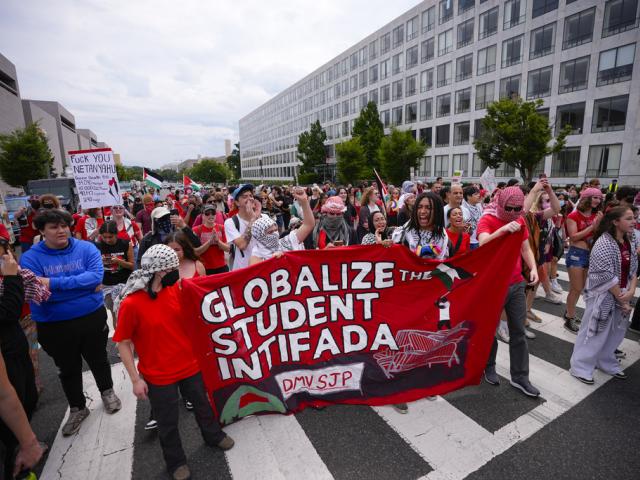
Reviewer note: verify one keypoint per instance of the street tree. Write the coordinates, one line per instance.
(399, 153)
(233, 161)
(25, 155)
(209, 171)
(311, 150)
(369, 130)
(352, 161)
(514, 133)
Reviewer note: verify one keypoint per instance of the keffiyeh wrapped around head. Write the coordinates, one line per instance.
(513, 197)
(259, 232)
(158, 258)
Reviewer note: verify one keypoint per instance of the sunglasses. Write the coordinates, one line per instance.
(512, 209)
(117, 208)
(48, 205)
(209, 213)
(330, 214)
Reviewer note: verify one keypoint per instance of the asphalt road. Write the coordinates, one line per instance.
(572, 432)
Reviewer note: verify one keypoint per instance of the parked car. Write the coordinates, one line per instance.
(13, 204)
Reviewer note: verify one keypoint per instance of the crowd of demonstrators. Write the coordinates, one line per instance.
(75, 268)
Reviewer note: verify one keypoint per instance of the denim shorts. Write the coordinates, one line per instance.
(577, 257)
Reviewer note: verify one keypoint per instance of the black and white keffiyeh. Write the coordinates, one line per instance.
(605, 270)
(269, 243)
(157, 259)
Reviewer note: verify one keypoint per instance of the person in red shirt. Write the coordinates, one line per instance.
(143, 217)
(88, 227)
(149, 312)
(501, 218)
(214, 242)
(460, 240)
(25, 217)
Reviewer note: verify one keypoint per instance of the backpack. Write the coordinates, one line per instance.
(232, 246)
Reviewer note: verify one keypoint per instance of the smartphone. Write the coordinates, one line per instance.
(339, 243)
(542, 175)
(174, 211)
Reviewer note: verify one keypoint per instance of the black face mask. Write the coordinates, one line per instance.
(170, 278)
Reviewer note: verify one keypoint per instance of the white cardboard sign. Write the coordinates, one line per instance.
(96, 179)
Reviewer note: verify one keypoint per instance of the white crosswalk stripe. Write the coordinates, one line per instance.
(277, 447)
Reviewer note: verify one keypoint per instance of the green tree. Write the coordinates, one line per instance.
(169, 174)
(399, 153)
(311, 150)
(209, 171)
(369, 130)
(25, 155)
(513, 132)
(233, 161)
(352, 161)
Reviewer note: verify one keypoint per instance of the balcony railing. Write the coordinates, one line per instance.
(487, 69)
(575, 41)
(615, 75)
(619, 27)
(488, 32)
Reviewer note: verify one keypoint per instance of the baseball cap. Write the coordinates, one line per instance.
(241, 189)
(208, 207)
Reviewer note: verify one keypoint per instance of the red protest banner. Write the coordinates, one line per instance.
(368, 325)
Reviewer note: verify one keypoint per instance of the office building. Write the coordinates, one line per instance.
(435, 69)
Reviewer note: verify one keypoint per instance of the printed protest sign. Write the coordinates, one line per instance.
(96, 179)
(456, 178)
(367, 325)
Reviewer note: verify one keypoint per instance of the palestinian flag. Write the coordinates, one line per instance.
(152, 179)
(188, 183)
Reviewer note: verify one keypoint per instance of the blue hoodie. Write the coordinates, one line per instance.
(74, 273)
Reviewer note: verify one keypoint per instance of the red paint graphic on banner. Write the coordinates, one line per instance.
(367, 325)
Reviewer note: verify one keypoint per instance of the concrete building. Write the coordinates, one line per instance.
(435, 68)
(227, 147)
(11, 116)
(33, 113)
(65, 126)
(86, 139)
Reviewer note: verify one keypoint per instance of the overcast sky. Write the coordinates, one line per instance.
(163, 81)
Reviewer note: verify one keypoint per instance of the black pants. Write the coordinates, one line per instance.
(165, 403)
(516, 309)
(68, 342)
(213, 271)
(22, 378)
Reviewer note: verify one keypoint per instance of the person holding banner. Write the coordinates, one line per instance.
(378, 232)
(332, 229)
(368, 205)
(238, 227)
(456, 196)
(265, 232)
(459, 240)
(502, 218)
(424, 233)
(150, 308)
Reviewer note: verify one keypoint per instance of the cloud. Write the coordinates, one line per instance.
(162, 81)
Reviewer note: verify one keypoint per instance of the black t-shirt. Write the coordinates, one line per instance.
(114, 273)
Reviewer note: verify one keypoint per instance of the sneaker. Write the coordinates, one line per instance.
(111, 401)
(188, 405)
(588, 381)
(401, 407)
(181, 473)
(620, 376)
(226, 443)
(620, 354)
(76, 417)
(432, 398)
(525, 387)
(491, 377)
(152, 424)
(571, 324)
(553, 297)
(555, 286)
(529, 334)
(503, 335)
